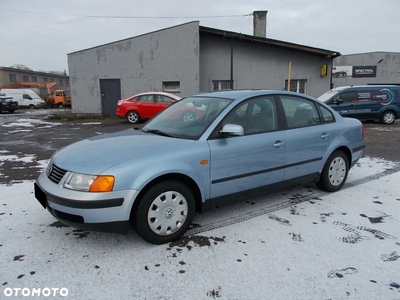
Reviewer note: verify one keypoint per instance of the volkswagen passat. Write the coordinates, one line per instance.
(156, 178)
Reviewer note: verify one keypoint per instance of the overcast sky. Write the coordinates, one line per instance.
(40, 33)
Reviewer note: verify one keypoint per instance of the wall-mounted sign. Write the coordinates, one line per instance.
(364, 71)
(342, 71)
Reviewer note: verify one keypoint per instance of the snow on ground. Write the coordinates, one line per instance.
(295, 244)
(30, 123)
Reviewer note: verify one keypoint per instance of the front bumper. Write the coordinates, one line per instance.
(90, 211)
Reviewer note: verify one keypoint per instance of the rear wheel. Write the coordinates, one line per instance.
(164, 212)
(133, 117)
(60, 105)
(388, 117)
(335, 172)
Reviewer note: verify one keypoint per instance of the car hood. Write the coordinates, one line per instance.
(97, 154)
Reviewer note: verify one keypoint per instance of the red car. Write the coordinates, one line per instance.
(144, 105)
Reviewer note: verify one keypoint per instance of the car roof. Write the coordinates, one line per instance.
(366, 86)
(235, 94)
(157, 93)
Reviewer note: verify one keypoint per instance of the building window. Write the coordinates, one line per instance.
(51, 79)
(218, 85)
(44, 79)
(13, 77)
(34, 79)
(25, 78)
(61, 82)
(66, 83)
(171, 86)
(299, 86)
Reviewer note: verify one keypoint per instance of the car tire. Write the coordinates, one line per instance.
(133, 117)
(164, 212)
(335, 172)
(188, 116)
(60, 105)
(31, 106)
(388, 117)
(11, 111)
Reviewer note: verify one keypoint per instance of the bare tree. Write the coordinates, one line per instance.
(21, 67)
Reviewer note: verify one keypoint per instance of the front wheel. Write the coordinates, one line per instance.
(335, 172)
(188, 116)
(164, 213)
(31, 106)
(133, 117)
(388, 117)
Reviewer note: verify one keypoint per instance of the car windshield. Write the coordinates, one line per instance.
(329, 94)
(187, 118)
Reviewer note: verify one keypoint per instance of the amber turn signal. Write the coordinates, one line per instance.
(103, 183)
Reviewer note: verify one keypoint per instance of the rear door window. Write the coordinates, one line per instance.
(299, 112)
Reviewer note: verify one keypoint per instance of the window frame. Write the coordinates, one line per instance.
(219, 84)
(299, 87)
(171, 86)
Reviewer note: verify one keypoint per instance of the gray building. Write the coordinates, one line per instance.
(10, 76)
(366, 68)
(189, 58)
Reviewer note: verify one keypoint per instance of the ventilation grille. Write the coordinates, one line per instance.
(56, 173)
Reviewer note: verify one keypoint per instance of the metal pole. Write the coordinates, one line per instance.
(232, 63)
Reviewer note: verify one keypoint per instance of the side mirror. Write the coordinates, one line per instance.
(231, 130)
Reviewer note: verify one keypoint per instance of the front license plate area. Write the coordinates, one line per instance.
(40, 196)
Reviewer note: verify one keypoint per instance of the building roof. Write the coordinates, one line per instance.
(33, 72)
(243, 38)
(268, 42)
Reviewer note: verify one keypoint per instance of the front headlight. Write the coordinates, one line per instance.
(89, 183)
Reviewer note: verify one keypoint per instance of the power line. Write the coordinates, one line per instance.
(128, 17)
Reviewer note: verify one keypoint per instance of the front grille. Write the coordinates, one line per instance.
(56, 174)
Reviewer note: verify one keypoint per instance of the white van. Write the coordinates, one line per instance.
(25, 97)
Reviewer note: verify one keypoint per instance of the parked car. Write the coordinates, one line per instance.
(144, 106)
(8, 104)
(365, 102)
(158, 176)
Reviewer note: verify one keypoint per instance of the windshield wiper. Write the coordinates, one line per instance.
(156, 131)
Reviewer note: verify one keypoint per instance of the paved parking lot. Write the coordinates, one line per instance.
(299, 243)
(29, 133)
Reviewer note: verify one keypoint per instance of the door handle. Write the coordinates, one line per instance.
(279, 144)
(324, 135)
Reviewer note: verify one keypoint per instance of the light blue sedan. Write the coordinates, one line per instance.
(246, 142)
